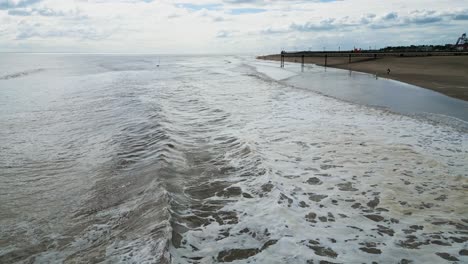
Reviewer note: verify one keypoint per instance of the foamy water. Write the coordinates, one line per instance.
(217, 159)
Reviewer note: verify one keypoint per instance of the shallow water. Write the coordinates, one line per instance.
(109, 158)
(368, 89)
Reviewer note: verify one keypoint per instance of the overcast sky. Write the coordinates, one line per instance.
(225, 26)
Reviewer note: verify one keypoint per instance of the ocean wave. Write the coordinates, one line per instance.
(332, 181)
(20, 74)
(180, 165)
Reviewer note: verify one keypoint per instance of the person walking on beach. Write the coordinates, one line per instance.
(388, 71)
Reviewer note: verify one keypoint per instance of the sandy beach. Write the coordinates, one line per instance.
(444, 74)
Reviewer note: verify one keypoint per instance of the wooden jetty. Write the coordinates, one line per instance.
(369, 54)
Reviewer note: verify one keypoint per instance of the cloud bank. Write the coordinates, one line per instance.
(224, 26)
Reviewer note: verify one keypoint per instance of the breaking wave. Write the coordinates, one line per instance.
(20, 74)
(195, 162)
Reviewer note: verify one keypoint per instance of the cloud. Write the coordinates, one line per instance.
(10, 4)
(266, 2)
(223, 25)
(244, 1)
(390, 16)
(47, 12)
(218, 19)
(271, 30)
(223, 34)
(326, 24)
(461, 15)
(116, 1)
(423, 17)
(389, 20)
(78, 32)
(19, 12)
(197, 7)
(171, 16)
(367, 19)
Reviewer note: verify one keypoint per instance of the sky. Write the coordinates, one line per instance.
(225, 26)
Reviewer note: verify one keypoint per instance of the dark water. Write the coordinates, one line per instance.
(107, 158)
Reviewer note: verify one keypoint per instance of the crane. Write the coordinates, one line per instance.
(462, 40)
(462, 43)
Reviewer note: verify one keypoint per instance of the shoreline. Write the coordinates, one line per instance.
(444, 74)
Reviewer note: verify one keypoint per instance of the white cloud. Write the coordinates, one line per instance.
(204, 26)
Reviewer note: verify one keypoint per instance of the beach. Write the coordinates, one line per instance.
(445, 74)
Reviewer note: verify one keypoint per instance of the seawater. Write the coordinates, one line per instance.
(208, 159)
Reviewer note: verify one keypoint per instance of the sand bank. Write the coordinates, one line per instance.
(444, 74)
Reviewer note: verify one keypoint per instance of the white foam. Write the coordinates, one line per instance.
(357, 153)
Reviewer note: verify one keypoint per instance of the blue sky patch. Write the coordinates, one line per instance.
(241, 11)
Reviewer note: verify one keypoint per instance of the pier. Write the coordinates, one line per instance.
(369, 54)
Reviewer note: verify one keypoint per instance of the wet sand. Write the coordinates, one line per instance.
(444, 74)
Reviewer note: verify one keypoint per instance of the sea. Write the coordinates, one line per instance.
(108, 158)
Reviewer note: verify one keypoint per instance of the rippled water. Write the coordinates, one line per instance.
(107, 158)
